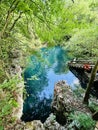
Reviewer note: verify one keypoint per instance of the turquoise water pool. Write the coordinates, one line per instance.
(44, 70)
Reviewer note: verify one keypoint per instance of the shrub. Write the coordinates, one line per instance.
(7, 101)
(81, 121)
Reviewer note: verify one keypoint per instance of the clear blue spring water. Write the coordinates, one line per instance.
(43, 71)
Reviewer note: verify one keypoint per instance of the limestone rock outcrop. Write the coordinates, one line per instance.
(64, 102)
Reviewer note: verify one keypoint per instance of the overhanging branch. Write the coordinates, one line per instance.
(15, 21)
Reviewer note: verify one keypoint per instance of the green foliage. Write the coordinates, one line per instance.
(93, 106)
(24, 24)
(51, 21)
(81, 121)
(78, 92)
(83, 41)
(8, 89)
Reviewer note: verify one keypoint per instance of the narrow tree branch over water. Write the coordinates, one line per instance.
(73, 1)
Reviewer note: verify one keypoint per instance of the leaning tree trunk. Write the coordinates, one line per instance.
(90, 84)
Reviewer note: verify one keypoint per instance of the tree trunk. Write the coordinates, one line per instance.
(73, 1)
(95, 116)
(90, 84)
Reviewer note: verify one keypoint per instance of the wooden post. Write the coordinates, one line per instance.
(90, 84)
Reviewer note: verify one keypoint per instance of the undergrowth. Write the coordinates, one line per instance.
(8, 90)
(81, 121)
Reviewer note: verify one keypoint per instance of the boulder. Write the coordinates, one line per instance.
(65, 102)
(52, 124)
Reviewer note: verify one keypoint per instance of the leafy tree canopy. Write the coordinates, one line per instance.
(26, 25)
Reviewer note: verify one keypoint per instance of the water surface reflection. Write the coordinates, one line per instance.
(40, 76)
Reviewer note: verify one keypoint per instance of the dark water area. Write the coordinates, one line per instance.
(84, 80)
(43, 71)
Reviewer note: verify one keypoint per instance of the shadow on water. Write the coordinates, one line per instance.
(82, 75)
(40, 76)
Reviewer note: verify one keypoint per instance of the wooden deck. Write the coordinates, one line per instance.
(80, 64)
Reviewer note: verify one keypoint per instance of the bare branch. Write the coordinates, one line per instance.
(11, 9)
(15, 21)
(14, 7)
(73, 1)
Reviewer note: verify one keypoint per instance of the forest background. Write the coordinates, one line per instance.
(27, 25)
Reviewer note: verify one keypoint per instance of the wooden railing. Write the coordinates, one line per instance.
(80, 63)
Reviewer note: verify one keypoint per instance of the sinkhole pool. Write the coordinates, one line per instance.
(45, 68)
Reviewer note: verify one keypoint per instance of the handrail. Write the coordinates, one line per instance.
(81, 62)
